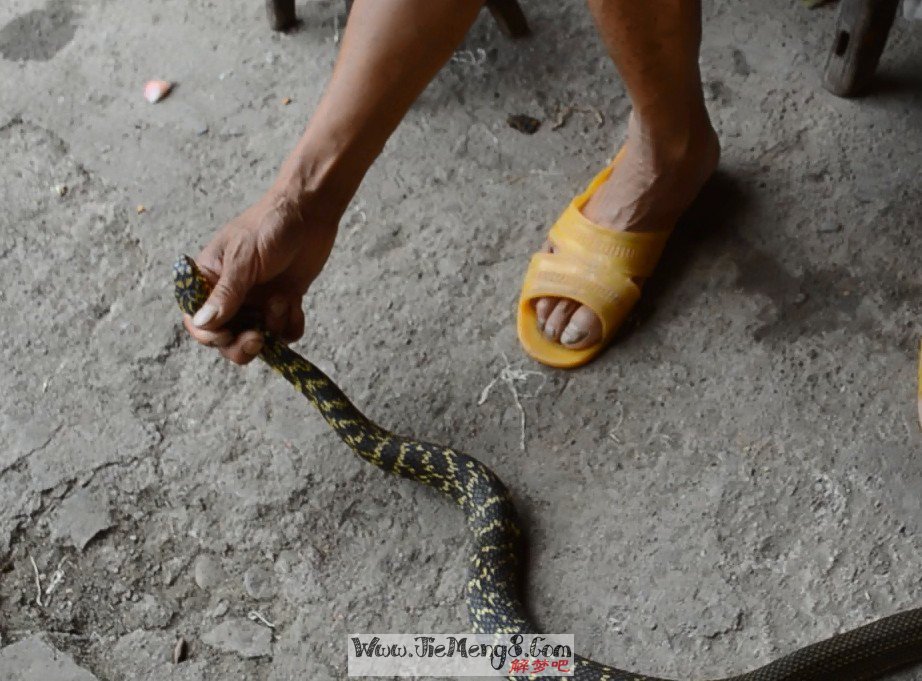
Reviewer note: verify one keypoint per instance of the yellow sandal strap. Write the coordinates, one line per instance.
(633, 254)
(606, 291)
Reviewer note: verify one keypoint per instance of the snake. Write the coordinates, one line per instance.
(494, 582)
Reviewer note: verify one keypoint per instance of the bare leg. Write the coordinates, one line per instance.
(671, 148)
(269, 254)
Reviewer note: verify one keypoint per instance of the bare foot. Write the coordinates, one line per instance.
(654, 183)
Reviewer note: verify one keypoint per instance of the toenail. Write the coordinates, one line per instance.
(572, 334)
(550, 332)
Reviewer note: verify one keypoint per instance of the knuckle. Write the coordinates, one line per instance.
(227, 290)
(228, 354)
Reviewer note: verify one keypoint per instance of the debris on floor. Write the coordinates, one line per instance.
(35, 658)
(156, 90)
(180, 651)
(510, 375)
(527, 125)
(82, 516)
(243, 637)
(564, 114)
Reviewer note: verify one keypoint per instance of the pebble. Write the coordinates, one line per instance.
(240, 636)
(259, 583)
(34, 658)
(220, 609)
(285, 561)
(148, 613)
(208, 572)
(82, 516)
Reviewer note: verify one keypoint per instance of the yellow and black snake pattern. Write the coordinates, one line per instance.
(494, 586)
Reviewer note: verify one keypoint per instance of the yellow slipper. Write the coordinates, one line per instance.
(592, 265)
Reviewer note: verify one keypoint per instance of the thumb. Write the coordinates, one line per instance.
(234, 282)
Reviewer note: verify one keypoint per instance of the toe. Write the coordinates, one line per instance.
(584, 329)
(558, 319)
(543, 309)
(544, 306)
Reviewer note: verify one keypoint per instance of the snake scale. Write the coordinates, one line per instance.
(494, 580)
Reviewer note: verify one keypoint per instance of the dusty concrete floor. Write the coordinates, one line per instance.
(737, 477)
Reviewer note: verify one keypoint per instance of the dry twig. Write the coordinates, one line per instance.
(38, 583)
(510, 375)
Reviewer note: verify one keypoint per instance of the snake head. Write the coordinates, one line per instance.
(189, 286)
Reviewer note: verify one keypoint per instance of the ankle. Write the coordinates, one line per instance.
(668, 140)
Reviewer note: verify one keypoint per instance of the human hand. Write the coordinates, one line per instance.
(264, 259)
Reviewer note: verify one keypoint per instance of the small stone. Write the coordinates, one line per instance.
(208, 572)
(171, 570)
(286, 101)
(220, 609)
(60, 189)
(286, 560)
(148, 613)
(81, 516)
(259, 583)
(33, 658)
(142, 651)
(155, 90)
(180, 651)
(527, 125)
(240, 636)
(141, 208)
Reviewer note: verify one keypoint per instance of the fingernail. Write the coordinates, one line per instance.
(253, 346)
(572, 334)
(277, 308)
(206, 313)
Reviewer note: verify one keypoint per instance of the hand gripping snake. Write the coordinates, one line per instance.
(494, 581)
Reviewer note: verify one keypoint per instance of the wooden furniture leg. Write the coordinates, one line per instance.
(509, 16)
(861, 34)
(282, 14)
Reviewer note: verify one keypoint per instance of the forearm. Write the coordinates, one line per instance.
(391, 49)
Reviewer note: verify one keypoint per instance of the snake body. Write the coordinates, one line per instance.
(494, 580)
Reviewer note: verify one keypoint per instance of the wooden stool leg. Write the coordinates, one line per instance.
(861, 34)
(281, 14)
(509, 16)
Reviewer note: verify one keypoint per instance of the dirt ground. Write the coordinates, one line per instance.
(738, 476)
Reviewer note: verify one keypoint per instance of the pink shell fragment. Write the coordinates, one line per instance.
(155, 90)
